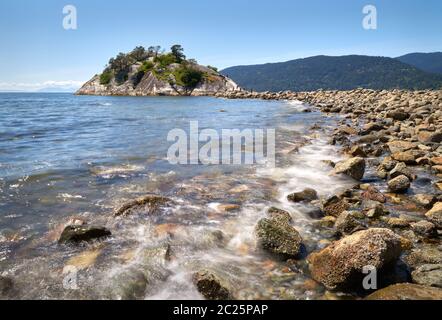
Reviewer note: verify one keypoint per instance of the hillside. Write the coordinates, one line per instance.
(429, 62)
(153, 72)
(333, 73)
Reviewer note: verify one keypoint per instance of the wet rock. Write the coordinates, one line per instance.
(400, 146)
(354, 167)
(76, 234)
(399, 184)
(407, 291)
(340, 265)
(375, 211)
(428, 275)
(357, 151)
(424, 228)
(306, 195)
(326, 222)
(347, 224)
(211, 286)
(373, 194)
(149, 202)
(334, 206)
(370, 127)
(398, 115)
(278, 237)
(275, 213)
(425, 200)
(401, 169)
(428, 254)
(408, 157)
(6, 286)
(435, 215)
(430, 137)
(130, 284)
(397, 222)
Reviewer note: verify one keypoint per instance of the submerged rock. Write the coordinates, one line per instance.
(76, 234)
(406, 291)
(305, 195)
(428, 275)
(211, 286)
(354, 167)
(428, 254)
(340, 265)
(151, 202)
(279, 237)
(424, 228)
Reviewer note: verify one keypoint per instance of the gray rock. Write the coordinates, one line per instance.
(305, 195)
(399, 184)
(424, 228)
(406, 291)
(279, 237)
(76, 234)
(340, 265)
(211, 286)
(428, 275)
(435, 215)
(347, 224)
(354, 167)
(401, 169)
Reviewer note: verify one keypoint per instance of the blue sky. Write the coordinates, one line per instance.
(37, 51)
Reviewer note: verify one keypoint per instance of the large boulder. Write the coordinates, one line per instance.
(279, 237)
(340, 265)
(407, 291)
(428, 275)
(76, 234)
(354, 167)
(435, 215)
(211, 286)
(305, 195)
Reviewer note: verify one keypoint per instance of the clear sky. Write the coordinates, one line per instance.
(36, 50)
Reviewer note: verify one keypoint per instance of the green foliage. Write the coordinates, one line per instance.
(213, 68)
(333, 73)
(188, 77)
(146, 66)
(429, 62)
(106, 77)
(178, 52)
(139, 54)
(165, 60)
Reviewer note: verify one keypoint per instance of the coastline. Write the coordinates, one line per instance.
(369, 125)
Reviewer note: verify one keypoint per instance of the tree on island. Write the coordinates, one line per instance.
(178, 52)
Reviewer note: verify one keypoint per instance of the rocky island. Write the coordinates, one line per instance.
(153, 72)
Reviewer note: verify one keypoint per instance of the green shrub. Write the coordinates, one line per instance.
(146, 66)
(188, 77)
(106, 77)
(213, 68)
(165, 60)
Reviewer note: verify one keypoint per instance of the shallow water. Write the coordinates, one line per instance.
(63, 156)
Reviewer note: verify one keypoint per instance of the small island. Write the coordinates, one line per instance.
(154, 72)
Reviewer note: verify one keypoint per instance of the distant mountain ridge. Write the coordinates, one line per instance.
(333, 73)
(429, 62)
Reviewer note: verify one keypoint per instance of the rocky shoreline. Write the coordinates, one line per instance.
(381, 223)
(390, 221)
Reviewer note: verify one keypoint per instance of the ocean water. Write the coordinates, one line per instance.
(64, 156)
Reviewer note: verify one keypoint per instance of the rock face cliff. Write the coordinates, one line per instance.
(161, 75)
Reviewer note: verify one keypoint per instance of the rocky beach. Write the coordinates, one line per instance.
(380, 207)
